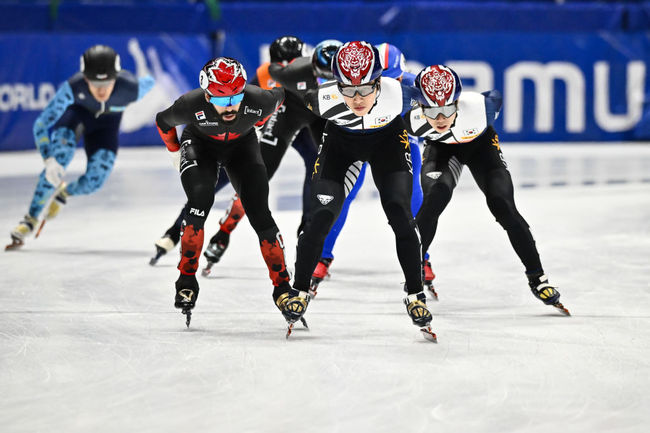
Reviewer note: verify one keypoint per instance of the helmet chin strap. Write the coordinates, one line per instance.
(378, 93)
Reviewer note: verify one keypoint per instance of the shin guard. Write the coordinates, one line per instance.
(191, 245)
(272, 247)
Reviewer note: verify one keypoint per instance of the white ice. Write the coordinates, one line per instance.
(90, 341)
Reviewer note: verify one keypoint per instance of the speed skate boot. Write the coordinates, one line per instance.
(294, 308)
(280, 298)
(24, 228)
(214, 251)
(163, 246)
(187, 290)
(428, 277)
(320, 273)
(416, 307)
(545, 292)
(60, 200)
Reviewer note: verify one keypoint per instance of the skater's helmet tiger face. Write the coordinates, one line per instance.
(440, 88)
(357, 70)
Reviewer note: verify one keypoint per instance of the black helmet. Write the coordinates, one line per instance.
(100, 63)
(321, 60)
(285, 48)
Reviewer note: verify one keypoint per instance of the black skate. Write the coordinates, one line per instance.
(163, 246)
(214, 251)
(417, 310)
(294, 308)
(546, 293)
(320, 273)
(187, 290)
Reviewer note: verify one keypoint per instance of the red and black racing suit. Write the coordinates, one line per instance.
(207, 144)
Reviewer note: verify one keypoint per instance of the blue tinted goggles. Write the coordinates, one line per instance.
(227, 101)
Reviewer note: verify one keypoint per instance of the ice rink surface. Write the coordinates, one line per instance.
(90, 341)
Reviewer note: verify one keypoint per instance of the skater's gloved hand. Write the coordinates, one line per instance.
(53, 171)
(176, 159)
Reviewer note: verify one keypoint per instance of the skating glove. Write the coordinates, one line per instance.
(53, 171)
(176, 159)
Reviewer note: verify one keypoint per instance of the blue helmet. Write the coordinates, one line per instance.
(321, 60)
(392, 60)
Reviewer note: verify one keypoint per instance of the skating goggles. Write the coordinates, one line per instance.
(351, 91)
(101, 83)
(445, 110)
(227, 101)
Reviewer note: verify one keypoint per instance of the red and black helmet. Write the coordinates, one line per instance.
(439, 85)
(356, 63)
(223, 76)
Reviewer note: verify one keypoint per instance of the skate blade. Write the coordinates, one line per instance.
(561, 308)
(40, 228)
(291, 324)
(188, 316)
(289, 329)
(159, 253)
(432, 292)
(15, 244)
(428, 334)
(313, 290)
(206, 271)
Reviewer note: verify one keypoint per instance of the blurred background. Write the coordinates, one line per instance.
(570, 71)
